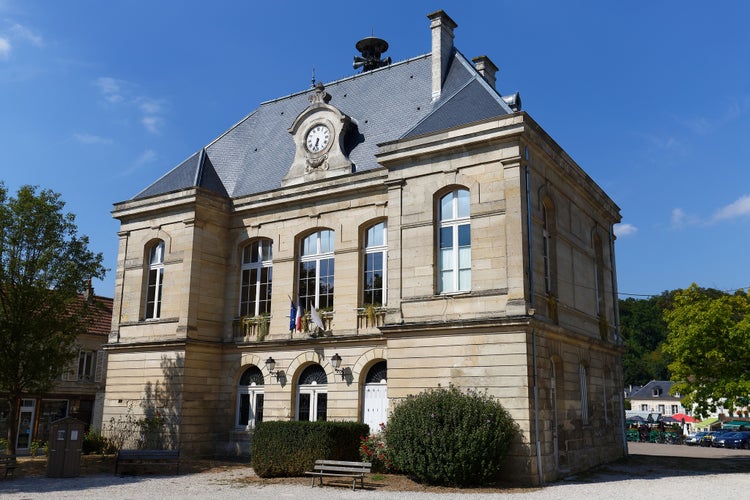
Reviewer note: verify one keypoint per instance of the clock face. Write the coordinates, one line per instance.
(318, 138)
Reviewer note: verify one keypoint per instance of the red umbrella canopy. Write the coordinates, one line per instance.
(687, 418)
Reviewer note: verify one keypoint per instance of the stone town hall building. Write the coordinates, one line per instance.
(431, 233)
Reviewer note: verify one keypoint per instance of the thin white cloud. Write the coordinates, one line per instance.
(121, 92)
(148, 156)
(702, 125)
(84, 138)
(5, 49)
(24, 33)
(624, 230)
(681, 219)
(738, 208)
(109, 89)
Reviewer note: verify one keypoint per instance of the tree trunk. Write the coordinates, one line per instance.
(13, 424)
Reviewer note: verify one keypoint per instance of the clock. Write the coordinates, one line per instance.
(318, 138)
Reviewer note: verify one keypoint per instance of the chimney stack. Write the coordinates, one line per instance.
(442, 27)
(486, 68)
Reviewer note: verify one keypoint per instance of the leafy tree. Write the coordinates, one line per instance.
(709, 342)
(644, 331)
(44, 268)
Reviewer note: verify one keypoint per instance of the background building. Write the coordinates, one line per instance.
(409, 222)
(78, 393)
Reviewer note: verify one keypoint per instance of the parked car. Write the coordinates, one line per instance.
(708, 439)
(740, 440)
(694, 438)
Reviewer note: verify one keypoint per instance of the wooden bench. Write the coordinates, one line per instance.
(148, 457)
(8, 464)
(340, 468)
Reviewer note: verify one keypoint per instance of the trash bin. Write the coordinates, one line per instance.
(65, 441)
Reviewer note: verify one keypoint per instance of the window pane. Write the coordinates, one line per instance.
(258, 407)
(464, 235)
(446, 281)
(244, 413)
(463, 203)
(304, 407)
(376, 235)
(464, 279)
(322, 407)
(446, 207)
(266, 250)
(326, 241)
(446, 237)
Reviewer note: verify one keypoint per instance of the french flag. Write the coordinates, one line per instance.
(298, 318)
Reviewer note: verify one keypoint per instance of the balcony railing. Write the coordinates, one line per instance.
(251, 328)
(370, 318)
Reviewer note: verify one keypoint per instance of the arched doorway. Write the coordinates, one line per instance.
(375, 396)
(312, 394)
(249, 398)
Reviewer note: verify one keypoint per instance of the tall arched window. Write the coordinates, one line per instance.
(250, 398)
(454, 241)
(312, 394)
(316, 270)
(256, 278)
(584, 383)
(374, 269)
(155, 280)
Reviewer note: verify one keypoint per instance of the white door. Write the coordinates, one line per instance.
(375, 406)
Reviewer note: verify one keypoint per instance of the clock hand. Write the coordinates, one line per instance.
(317, 140)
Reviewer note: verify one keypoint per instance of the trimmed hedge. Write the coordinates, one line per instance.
(449, 437)
(284, 449)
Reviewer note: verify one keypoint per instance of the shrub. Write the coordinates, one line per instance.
(94, 442)
(373, 449)
(448, 437)
(290, 448)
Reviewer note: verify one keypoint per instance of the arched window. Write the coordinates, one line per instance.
(155, 280)
(584, 383)
(374, 269)
(256, 278)
(250, 398)
(454, 241)
(316, 270)
(312, 394)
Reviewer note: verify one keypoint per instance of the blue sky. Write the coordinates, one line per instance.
(651, 98)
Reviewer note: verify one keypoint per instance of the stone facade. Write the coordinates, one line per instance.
(536, 326)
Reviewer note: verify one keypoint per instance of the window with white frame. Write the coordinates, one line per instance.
(454, 242)
(644, 407)
(375, 261)
(250, 396)
(312, 394)
(256, 278)
(155, 280)
(86, 365)
(316, 270)
(675, 409)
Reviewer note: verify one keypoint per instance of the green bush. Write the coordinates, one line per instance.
(449, 437)
(283, 449)
(94, 442)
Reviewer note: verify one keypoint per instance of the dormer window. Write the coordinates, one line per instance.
(656, 392)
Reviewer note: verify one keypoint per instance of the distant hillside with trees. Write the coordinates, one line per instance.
(697, 337)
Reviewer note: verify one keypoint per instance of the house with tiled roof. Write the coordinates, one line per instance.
(370, 238)
(78, 393)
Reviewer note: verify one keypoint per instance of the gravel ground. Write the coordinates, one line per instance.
(653, 471)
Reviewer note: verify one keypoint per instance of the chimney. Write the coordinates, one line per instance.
(88, 293)
(486, 68)
(442, 27)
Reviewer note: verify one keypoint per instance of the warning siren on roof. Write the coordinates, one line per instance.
(371, 48)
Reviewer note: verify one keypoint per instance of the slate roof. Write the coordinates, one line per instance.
(385, 104)
(661, 387)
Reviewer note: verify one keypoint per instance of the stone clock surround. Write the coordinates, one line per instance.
(330, 161)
